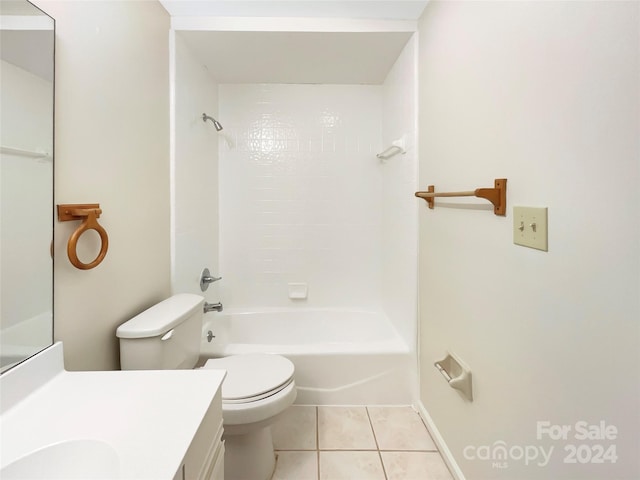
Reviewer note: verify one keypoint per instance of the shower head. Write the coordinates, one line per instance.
(216, 123)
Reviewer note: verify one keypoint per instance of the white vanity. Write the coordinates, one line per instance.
(107, 425)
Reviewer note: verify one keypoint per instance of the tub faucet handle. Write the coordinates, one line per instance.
(209, 307)
(206, 279)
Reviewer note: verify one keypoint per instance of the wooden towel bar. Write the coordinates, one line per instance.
(497, 195)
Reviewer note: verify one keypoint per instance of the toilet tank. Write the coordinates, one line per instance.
(163, 337)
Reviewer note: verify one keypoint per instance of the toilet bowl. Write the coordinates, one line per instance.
(256, 390)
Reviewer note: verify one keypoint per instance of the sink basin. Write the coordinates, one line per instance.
(73, 459)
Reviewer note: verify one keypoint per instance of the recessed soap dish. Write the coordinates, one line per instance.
(298, 291)
(457, 374)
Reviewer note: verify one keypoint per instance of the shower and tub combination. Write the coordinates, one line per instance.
(341, 357)
(296, 195)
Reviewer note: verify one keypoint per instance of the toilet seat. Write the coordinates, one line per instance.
(252, 377)
(257, 388)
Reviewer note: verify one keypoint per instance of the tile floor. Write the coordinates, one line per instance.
(355, 443)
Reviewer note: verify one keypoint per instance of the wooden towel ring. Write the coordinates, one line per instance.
(88, 214)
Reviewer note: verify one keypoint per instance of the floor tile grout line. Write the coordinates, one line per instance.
(375, 438)
(369, 450)
(295, 449)
(349, 450)
(408, 451)
(354, 450)
(317, 442)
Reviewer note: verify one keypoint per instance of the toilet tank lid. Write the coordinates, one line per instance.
(161, 317)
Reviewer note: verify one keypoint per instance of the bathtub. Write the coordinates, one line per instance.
(341, 357)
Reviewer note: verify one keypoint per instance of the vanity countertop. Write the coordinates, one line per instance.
(149, 417)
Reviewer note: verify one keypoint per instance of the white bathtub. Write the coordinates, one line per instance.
(341, 357)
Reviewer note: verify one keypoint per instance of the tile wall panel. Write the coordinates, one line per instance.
(400, 207)
(299, 194)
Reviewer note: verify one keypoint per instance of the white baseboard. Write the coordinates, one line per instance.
(440, 443)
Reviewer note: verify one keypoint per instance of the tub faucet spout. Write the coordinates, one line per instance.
(209, 307)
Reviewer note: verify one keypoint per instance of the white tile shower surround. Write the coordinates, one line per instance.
(355, 443)
(300, 194)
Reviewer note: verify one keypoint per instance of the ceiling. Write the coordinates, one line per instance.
(297, 57)
(379, 9)
(286, 53)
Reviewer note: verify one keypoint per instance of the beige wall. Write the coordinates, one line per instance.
(545, 94)
(112, 148)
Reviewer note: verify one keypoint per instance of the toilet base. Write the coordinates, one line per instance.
(249, 456)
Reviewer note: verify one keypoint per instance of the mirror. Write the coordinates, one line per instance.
(27, 38)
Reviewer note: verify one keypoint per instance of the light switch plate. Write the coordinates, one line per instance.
(530, 227)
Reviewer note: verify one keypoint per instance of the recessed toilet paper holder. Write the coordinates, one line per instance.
(457, 374)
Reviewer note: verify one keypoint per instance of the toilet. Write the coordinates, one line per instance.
(257, 388)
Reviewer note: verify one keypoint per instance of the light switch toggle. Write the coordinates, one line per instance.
(521, 227)
(533, 226)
